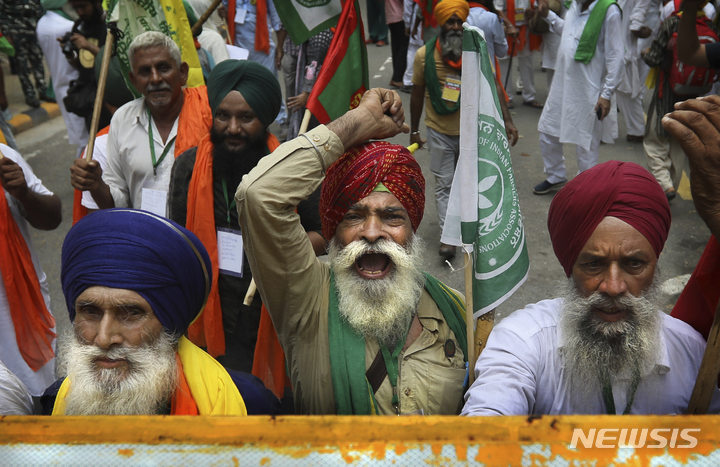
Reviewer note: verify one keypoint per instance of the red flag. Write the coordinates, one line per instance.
(343, 78)
(698, 300)
(427, 7)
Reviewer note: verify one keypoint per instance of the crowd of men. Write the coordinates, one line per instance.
(190, 203)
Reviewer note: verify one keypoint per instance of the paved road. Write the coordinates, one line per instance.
(47, 150)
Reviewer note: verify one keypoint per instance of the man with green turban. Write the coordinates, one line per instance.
(244, 98)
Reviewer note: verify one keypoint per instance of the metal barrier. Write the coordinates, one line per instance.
(310, 440)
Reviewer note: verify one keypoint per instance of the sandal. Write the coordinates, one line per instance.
(533, 104)
(510, 104)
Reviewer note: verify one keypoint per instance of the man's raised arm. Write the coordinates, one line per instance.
(280, 255)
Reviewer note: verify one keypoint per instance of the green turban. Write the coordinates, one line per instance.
(258, 86)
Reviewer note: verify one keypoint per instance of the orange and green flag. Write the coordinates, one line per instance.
(343, 78)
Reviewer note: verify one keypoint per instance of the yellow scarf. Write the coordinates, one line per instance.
(210, 384)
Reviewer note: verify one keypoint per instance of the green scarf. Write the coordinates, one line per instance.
(433, 84)
(591, 32)
(353, 394)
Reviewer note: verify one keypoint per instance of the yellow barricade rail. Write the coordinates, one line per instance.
(314, 440)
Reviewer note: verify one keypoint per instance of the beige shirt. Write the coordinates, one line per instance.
(445, 124)
(294, 286)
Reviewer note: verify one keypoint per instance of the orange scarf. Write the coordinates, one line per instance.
(182, 400)
(262, 35)
(269, 359)
(32, 321)
(80, 211)
(207, 330)
(195, 119)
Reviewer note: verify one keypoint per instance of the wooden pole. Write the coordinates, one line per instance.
(305, 122)
(469, 316)
(707, 378)
(252, 288)
(198, 26)
(97, 108)
(483, 328)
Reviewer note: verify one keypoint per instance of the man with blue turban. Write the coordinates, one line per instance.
(133, 282)
(244, 98)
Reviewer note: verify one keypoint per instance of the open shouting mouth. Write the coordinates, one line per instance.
(373, 265)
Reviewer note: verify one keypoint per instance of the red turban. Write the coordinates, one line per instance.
(353, 176)
(613, 189)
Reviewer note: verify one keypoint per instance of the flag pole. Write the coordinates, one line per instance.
(97, 108)
(305, 122)
(204, 17)
(707, 377)
(469, 317)
(483, 328)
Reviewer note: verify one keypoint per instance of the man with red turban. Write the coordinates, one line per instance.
(604, 347)
(368, 332)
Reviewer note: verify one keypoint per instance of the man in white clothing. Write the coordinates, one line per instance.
(605, 347)
(27, 327)
(56, 23)
(637, 37)
(148, 133)
(578, 109)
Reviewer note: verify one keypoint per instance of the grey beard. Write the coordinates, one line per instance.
(381, 309)
(451, 44)
(143, 389)
(593, 347)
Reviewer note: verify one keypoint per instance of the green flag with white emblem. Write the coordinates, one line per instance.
(483, 212)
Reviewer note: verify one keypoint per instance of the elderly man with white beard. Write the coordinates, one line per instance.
(604, 347)
(369, 333)
(133, 283)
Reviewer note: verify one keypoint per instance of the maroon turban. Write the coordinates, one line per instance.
(613, 189)
(353, 176)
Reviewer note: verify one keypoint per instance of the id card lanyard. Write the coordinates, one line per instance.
(391, 363)
(156, 163)
(228, 204)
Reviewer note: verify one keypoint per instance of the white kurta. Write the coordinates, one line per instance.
(14, 396)
(521, 371)
(569, 112)
(49, 28)
(99, 155)
(36, 381)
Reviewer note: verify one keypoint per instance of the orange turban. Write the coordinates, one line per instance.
(446, 8)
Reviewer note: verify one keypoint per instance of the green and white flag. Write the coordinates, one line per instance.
(483, 212)
(303, 19)
(134, 17)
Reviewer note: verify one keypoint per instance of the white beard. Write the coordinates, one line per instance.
(381, 309)
(143, 389)
(593, 346)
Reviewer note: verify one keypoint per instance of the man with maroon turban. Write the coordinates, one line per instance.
(368, 333)
(604, 347)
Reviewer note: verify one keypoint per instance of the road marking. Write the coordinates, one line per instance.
(382, 67)
(28, 156)
(377, 76)
(675, 285)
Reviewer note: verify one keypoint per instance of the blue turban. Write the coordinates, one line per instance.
(136, 250)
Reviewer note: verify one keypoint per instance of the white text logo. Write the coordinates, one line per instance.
(634, 438)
